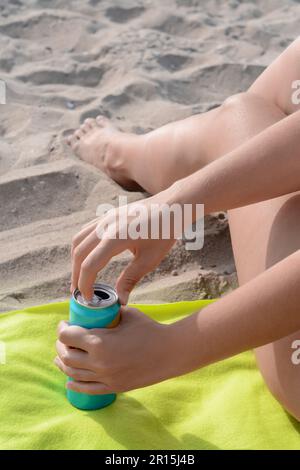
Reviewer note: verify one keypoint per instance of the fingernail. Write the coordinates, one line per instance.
(87, 296)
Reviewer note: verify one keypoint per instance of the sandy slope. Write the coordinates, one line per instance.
(141, 63)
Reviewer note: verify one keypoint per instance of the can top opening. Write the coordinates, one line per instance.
(104, 296)
(101, 294)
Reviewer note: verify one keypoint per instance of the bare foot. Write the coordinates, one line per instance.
(101, 144)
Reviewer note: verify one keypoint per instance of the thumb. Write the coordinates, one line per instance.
(131, 275)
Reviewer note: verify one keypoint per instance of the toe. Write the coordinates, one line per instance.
(79, 133)
(89, 122)
(85, 128)
(88, 125)
(102, 120)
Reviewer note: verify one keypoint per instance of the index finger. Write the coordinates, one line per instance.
(80, 253)
(94, 262)
(73, 336)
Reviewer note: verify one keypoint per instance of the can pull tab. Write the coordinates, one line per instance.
(95, 300)
(103, 297)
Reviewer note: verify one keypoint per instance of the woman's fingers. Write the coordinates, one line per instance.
(82, 375)
(92, 388)
(84, 242)
(91, 222)
(130, 276)
(94, 262)
(79, 255)
(84, 232)
(71, 356)
(73, 336)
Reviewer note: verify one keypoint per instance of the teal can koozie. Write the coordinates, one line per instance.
(101, 312)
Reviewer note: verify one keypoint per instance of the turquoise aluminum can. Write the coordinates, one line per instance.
(101, 312)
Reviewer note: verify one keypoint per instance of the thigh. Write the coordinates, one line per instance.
(263, 234)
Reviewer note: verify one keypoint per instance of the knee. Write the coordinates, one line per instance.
(251, 104)
(236, 100)
(240, 101)
(244, 104)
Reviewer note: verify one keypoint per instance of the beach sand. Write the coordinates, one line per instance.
(142, 64)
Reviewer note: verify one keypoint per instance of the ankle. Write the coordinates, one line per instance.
(122, 152)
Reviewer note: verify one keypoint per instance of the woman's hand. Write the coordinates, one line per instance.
(98, 242)
(137, 353)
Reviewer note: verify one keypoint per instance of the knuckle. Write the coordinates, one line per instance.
(62, 336)
(60, 328)
(87, 266)
(95, 342)
(75, 241)
(65, 357)
(77, 253)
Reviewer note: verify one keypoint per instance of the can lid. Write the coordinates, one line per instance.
(104, 296)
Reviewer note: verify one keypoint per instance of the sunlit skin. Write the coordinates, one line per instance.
(242, 157)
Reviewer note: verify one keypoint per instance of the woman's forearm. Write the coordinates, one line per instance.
(265, 167)
(261, 311)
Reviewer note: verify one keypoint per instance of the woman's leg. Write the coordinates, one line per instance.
(152, 161)
(155, 160)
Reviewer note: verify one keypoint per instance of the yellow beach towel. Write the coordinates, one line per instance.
(224, 406)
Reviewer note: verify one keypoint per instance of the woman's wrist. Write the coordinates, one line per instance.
(175, 192)
(183, 345)
(191, 190)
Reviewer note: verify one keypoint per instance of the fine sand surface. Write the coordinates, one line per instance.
(141, 63)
